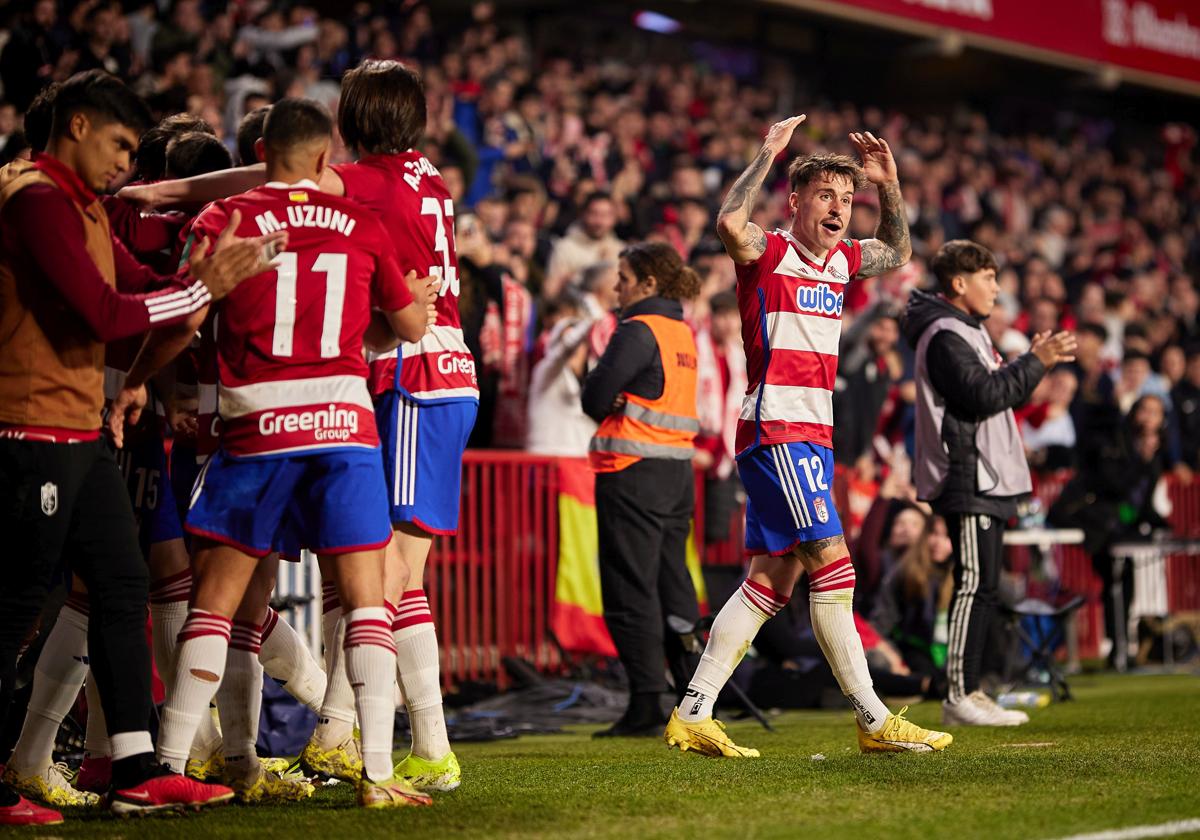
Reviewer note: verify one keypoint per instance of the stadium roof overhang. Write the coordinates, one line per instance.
(1148, 42)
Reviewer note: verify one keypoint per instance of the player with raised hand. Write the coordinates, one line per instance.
(426, 393)
(298, 447)
(790, 287)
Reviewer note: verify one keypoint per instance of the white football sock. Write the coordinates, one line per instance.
(335, 720)
(831, 606)
(200, 664)
(168, 612)
(239, 699)
(95, 736)
(371, 667)
(732, 633)
(287, 660)
(419, 669)
(57, 679)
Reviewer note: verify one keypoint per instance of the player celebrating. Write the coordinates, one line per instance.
(298, 445)
(790, 287)
(426, 393)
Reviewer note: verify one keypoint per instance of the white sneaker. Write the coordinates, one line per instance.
(986, 699)
(972, 711)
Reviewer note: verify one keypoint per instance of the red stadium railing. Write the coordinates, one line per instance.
(492, 585)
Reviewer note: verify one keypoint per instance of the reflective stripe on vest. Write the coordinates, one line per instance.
(661, 418)
(641, 449)
(661, 428)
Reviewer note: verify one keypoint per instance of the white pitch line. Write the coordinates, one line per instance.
(1137, 831)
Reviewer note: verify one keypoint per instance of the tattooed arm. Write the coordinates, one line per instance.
(892, 246)
(745, 241)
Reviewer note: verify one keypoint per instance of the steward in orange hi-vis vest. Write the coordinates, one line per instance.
(642, 392)
(654, 428)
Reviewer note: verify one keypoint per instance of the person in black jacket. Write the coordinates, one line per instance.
(970, 464)
(642, 392)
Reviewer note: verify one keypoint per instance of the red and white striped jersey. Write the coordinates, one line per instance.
(291, 373)
(412, 201)
(791, 307)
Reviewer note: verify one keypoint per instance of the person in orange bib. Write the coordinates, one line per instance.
(643, 394)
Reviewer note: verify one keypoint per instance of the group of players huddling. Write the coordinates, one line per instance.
(333, 397)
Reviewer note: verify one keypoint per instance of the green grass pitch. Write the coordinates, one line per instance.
(1125, 753)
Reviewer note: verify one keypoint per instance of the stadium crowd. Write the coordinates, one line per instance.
(555, 163)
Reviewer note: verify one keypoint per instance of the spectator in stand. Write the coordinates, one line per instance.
(891, 526)
(480, 303)
(722, 383)
(557, 424)
(1116, 494)
(598, 288)
(35, 54)
(98, 45)
(8, 128)
(1185, 403)
(1095, 399)
(913, 606)
(1047, 429)
(869, 364)
(588, 241)
(1136, 379)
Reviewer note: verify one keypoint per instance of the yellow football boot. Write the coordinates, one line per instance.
(706, 737)
(394, 793)
(901, 735)
(51, 787)
(206, 769)
(341, 762)
(442, 775)
(268, 786)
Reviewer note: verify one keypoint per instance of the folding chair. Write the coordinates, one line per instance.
(1044, 635)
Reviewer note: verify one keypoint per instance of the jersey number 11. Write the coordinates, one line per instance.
(333, 266)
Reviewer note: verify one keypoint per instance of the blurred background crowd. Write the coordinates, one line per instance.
(561, 146)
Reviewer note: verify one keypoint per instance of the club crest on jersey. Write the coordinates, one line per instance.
(49, 498)
(822, 511)
(820, 298)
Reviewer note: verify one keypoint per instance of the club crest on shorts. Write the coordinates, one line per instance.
(822, 511)
(49, 498)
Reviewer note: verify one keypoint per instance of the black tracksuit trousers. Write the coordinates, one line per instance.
(978, 541)
(66, 505)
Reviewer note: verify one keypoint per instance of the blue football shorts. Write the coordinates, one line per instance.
(789, 486)
(332, 502)
(423, 445)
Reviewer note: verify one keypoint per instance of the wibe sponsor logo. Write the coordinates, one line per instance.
(819, 298)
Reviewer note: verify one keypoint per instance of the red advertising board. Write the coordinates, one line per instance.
(1158, 37)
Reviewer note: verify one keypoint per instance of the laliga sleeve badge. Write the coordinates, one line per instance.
(49, 498)
(985, 523)
(822, 511)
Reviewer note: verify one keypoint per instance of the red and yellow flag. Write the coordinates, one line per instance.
(578, 612)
